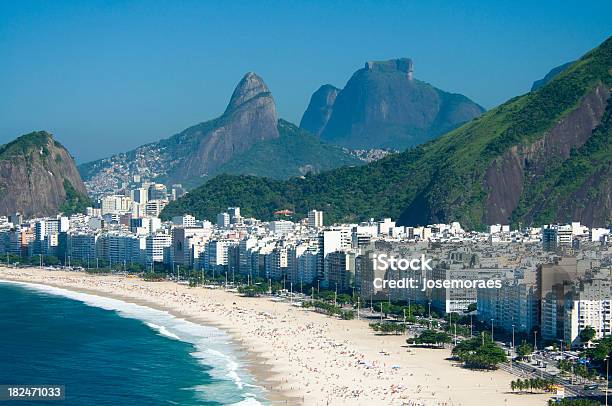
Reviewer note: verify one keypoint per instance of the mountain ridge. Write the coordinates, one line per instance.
(550, 75)
(451, 177)
(314, 156)
(193, 155)
(383, 106)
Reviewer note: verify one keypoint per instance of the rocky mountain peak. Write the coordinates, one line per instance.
(26, 143)
(41, 176)
(250, 118)
(540, 158)
(384, 106)
(319, 109)
(404, 65)
(250, 86)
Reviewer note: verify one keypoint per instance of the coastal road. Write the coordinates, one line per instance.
(529, 371)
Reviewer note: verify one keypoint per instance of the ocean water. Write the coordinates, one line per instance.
(109, 352)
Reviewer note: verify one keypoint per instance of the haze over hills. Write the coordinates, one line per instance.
(383, 106)
(223, 145)
(539, 158)
(550, 75)
(38, 177)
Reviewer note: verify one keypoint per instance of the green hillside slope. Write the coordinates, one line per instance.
(295, 153)
(38, 177)
(496, 168)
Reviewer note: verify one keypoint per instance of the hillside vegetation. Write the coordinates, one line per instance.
(295, 153)
(444, 180)
(38, 177)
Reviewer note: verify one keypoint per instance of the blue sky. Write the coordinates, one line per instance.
(107, 76)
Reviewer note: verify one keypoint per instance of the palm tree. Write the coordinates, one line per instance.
(519, 384)
(539, 383)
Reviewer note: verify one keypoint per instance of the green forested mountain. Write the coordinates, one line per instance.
(550, 75)
(38, 177)
(540, 157)
(295, 153)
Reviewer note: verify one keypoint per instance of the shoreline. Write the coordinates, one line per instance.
(248, 357)
(297, 354)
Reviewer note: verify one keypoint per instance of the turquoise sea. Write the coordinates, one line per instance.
(109, 352)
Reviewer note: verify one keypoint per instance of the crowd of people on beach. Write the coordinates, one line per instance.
(304, 359)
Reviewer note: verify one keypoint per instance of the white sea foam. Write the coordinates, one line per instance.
(230, 365)
(163, 331)
(247, 402)
(212, 344)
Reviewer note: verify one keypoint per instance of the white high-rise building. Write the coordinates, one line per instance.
(216, 255)
(145, 225)
(315, 219)
(329, 241)
(385, 226)
(514, 306)
(138, 210)
(281, 227)
(590, 306)
(555, 236)
(302, 264)
(340, 269)
(82, 246)
(115, 204)
(124, 248)
(185, 220)
(94, 212)
(183, 241)
(234, 215)
(223, 220)
(245, 250)
(276, 263)
(457, 299)
(155, 207)
(63, 224)
(140, 195)
(156, 244)
(595, 234)
(45, 235)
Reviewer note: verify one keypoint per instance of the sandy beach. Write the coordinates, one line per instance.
(303, 357)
